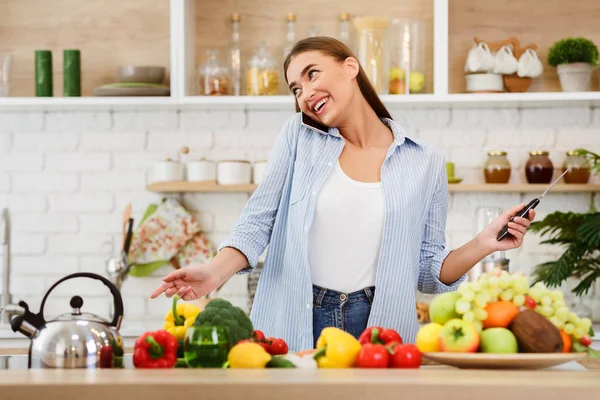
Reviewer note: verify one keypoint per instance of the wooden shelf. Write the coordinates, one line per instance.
(201, 187)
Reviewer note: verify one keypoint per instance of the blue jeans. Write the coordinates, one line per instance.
(349, 312)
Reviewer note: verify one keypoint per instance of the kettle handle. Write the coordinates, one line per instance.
(118, 300)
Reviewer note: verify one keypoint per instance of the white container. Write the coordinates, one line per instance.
(258, 171)
(234, 172)
(575, 77)
(201, 171)
(168, 171)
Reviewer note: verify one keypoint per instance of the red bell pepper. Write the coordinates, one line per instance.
(155, 350)
(373, 356)
(378, 335)
(404, 356)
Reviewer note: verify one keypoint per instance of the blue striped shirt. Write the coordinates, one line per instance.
(280, 212)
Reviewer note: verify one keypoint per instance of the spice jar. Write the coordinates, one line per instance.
(539, 168)
(497, 168)
(213, 76)
(262, 77)
(579, 173)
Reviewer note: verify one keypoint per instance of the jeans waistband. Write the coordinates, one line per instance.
(324, 295)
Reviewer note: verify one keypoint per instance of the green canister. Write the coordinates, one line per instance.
(71, 73)
(43, 73)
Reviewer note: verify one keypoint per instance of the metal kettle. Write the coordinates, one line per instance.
(75, 339)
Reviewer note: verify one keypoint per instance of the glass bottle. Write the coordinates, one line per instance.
(497, 168)
(262, 77)
(372, 50)
(290, 41)
(213, 76)
(313, 31)
(539, 168)
(579, 173)
(344, 34)
(235, 56)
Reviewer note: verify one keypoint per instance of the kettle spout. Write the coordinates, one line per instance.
(28, 323)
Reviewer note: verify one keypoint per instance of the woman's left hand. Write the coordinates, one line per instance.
(517, 228)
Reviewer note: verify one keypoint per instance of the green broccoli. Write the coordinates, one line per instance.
(220, 312)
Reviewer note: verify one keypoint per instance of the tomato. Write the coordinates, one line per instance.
(405, 356)
(277, 346)
(373, 356)
(258, 336)
(530, 302)
(586, 340)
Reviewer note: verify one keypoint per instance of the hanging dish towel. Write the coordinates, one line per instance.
(167, 234)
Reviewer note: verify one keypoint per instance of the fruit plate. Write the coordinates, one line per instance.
(504, 361)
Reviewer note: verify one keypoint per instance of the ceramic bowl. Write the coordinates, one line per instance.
(140, 74)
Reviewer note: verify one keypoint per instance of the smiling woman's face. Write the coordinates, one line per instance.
(323, 86)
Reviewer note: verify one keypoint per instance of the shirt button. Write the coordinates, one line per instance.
(314, 193)
(308, 305)
(306, 229)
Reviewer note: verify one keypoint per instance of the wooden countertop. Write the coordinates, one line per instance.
(425, 383)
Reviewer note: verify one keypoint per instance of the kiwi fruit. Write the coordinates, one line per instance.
(535, 333)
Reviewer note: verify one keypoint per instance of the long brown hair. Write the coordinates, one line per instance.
(338, 50)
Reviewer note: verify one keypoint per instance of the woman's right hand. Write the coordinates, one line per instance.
(191, 282)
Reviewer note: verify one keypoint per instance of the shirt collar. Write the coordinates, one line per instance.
(400, 135)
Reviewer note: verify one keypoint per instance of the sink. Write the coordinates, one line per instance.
(19, 361)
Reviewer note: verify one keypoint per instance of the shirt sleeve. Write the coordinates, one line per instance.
(433, 247)
(252, 232)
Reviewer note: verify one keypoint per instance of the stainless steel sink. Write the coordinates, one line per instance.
(16, 362)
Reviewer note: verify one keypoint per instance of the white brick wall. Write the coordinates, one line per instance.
(67, 176)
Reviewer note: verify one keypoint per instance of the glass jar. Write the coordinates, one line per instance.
(539, 168)
(213, 76)
(579, 173)
(262, 76)
(372, 50)
(206, 346)
(408, 56)
(497, 168)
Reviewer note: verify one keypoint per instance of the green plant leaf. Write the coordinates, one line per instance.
(589, 231)
(571, 50)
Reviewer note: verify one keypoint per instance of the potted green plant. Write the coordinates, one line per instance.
(579, 234)
(574, 58)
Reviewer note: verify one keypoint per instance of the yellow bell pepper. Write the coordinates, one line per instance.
(180, 317)
(336, 349)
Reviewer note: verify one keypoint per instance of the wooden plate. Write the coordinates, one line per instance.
(504, 361)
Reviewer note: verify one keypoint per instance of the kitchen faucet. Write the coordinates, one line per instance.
(7, 309)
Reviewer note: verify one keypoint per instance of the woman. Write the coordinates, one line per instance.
(353, 210)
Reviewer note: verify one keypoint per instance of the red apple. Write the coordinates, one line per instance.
(459, 336)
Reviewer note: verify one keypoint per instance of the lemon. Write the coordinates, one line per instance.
(397, 73)
(428, 337)
(417, 82)
(248, 355)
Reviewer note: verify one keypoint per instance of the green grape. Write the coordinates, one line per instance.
(557, 295)
(557, 322)
(573, 318)
(521, 286)
(558, 304)
(478, 326)
(546, 301)
(540, 285)
(569, 328)
(504, 282)
(481, 300)
(545, 311)
(584, 323)
(493, 282)
(462, 307)
(562, 313)
(480, 314)
(477, 287)
(507, 295)
(519, 300)
(468, 316)
(579, 333)
(468, 295)
(536, 294)
(464, 287)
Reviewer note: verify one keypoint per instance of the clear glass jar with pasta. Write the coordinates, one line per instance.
(262, 76)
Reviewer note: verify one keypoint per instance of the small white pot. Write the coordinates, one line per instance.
(234, 172)
(168, 171)
(258, 171)
(574, 77)
(201, 171)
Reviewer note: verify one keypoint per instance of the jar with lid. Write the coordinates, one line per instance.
(497, 168)
(539, 168)
(262, 76)
(579, 173)
(407, 56)
(373, 50)
(213, 76)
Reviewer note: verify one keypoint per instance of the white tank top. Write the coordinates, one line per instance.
(345, 236)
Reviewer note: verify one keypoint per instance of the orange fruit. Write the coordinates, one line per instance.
(500, 314)
(566, 341)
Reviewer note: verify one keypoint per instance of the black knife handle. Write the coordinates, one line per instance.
(530, 206)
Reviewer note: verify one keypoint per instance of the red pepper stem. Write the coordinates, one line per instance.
(319, 353)
(375, 336)
(178, 319)
(156, 351)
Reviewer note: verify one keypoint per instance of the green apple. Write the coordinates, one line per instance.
(498, 340)
(417, 82)
(459, 336)
(442, 308)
